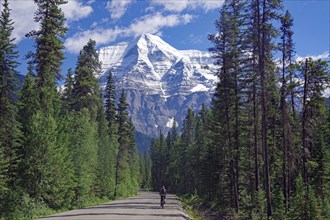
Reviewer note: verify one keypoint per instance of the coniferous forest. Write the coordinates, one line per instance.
(59, 149)
(262, 149)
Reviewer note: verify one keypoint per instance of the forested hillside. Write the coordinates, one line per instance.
(59, 150)
(262, 150)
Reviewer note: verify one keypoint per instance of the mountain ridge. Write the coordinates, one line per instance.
(161, 82)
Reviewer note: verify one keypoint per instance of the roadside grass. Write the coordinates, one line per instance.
(192, 205)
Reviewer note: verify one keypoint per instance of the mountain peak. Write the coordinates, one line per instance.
(161, 81)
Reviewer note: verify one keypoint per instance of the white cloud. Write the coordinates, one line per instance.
(324, 55)
(153, 23)
(74, 44)
(178, 6)
(147, 24)
(90, 2)
(117, 8)
(75, 10)
(23, 15)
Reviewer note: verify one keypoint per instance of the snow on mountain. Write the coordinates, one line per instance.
(161, 81)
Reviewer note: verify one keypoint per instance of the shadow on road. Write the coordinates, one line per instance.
(118, 214)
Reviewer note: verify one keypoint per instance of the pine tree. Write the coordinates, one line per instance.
(286, 47)
(45, 169)
(315, 76)
(106, 157)
(133, 162)
(48, 57)
(110, 104)
(185, 151)
(67, 95)
(10, 135)
(123, 170)
(83, 147)
(145, 171)
(86, 89)
(264, 12)
(227, 50)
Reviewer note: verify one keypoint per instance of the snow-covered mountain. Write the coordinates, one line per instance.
(161, 82)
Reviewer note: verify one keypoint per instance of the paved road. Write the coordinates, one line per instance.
(144, 206)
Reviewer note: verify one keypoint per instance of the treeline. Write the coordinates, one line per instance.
(59, 149)
(263, 148)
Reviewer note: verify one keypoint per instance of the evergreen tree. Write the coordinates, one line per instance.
(123, 169)
(86, 87)
(228, 53)
(67, 95)
(264, 13)
(45, 169)
(83, 147)
(106, 157)
(145, 171)
(286, 47)
(48, 57)
(110, 104)
(10, 135)
(315, 76)
(133, 162)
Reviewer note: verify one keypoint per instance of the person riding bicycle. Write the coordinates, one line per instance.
(162, 193)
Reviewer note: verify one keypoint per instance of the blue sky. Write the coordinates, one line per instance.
(184, 24)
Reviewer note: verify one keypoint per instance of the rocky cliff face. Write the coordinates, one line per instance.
(161, 82)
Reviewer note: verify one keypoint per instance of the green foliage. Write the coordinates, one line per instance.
(110, 104)
(19, 205)
(86, 91)
(298, 201)
(83, 147)
(62, 154)
(48, 57)
(278, 204)
(259, 210)
(45, 163)
(145, 171)
(107, 151)
(10, 135)
(127, 161)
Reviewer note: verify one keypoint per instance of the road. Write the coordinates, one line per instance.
(144, 206)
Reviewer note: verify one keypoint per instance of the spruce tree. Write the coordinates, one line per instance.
(86, 91)
(107, 149)
(228, 53)
(10, 135)
(49, 56)
(123, 170)
(286, 47)
(83, 147)
(44, 163)
(315, 78)
(67, 93)
(110, 104)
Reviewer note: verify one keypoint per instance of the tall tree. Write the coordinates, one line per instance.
(10, 135)
(286, 47)
(86, 91)
(228, 53)
(49, 56)
(123, 178)
(315, 80)
(265, 12)
(46, 170)
(110, 104)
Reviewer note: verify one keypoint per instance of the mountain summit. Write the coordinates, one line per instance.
(161, 82)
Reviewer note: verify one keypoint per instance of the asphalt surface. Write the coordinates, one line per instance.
(144, 206)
